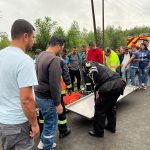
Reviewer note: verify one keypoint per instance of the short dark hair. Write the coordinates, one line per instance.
(126, 48)
(84, 46)
(21, 27)
(56, 40)
(75, 47)
(38, 51)
(92, 44)
(144, 46)
(145, 40)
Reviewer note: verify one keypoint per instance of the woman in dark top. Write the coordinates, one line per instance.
(144, 64)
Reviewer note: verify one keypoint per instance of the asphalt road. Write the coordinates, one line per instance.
(133, 128)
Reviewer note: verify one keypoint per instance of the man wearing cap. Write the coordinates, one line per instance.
(111, 59)
(134, 64)
(124, 69)
(108, 87)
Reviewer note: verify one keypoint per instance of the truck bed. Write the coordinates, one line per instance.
(85, 106)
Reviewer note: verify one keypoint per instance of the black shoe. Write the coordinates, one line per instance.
(109, 129)
(92, 133)
(62, 135)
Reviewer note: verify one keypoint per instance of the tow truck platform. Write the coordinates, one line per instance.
(85, 105)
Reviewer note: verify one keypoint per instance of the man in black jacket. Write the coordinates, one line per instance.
(64, 130)
(108, 87)
(48, 92)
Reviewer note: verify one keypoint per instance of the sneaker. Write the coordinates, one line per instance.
(140, 87)
(54, 145)
(41, 145)
(145, 87)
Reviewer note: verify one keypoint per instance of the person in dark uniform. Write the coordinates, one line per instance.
(108, 87)
(66, 86)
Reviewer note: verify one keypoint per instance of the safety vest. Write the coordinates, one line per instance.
(113, 61)
(63, 87)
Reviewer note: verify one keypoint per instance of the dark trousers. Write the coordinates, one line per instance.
(73, 74)
(62, 121)
(105, 108)
(88, 82)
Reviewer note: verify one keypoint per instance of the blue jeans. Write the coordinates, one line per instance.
(133, 72)
(125, 76)
(143, 76)
(118, 70)
(49, 113)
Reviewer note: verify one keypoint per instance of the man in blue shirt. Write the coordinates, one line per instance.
(83, 53)
(134, 65)
(65, 57)
(144, 65)
(18, 123)
(141, 59)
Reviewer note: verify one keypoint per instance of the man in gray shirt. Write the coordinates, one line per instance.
(48, 92)
(74, 65)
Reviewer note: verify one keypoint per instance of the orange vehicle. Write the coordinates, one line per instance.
(137, 39)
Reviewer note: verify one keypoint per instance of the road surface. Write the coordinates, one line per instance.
(133, 128)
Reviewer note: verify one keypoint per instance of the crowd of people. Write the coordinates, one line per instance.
(135, 64)
(26, 84)
(131, 63)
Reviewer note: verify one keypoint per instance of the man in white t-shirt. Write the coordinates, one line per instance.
(18, 123)
(124, 70)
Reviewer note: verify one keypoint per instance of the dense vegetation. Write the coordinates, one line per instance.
(74, 36)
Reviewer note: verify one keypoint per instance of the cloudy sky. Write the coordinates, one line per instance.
(122, 13)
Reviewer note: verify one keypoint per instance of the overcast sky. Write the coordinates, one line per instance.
(122, 13)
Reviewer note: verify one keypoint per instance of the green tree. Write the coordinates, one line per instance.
(73, 37)
(90, 37)
(44, 30)
(87, 36)
(59, 31)
(114, 36)
(4, 41)
(99, 37)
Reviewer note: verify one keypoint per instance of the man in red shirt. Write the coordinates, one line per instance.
(95, 54)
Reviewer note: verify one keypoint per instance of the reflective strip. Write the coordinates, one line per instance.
(88, 83)
(62, 122)
(69, 86)
(114, 67)
(48, 137)
(63, 92)
(41, 121)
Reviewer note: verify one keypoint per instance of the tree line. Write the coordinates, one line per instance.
(74, 36)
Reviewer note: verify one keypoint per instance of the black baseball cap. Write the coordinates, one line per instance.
(107, 50)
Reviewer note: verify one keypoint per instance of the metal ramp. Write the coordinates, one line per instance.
(85, 106)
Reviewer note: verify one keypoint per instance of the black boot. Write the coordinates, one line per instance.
(92, 133)
(110, 129)
(64, 134)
